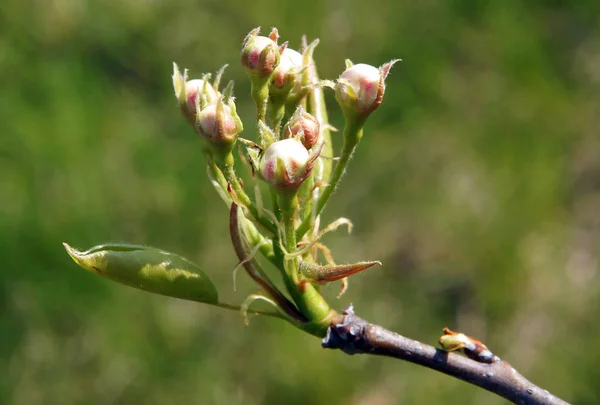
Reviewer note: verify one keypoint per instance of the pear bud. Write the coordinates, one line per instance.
(360, 88)
(220, 125)
(304, 127)
(260, 55)
(286, 164)
(287, 76)
(188, 91)
(196, 89)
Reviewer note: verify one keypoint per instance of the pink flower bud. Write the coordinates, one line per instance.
(260, 55)
(364, 79)
(287, 74)
(198, 88)
(219, 123)
(286, 164)
(360, 88)
(187, 91)
(303, 127)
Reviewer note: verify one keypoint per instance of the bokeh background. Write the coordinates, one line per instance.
(477, 184)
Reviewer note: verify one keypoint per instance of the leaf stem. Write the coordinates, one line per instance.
(253, 312)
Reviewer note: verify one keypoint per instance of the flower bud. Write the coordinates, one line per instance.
(187, 91)
(260, 55)
(196, 89)
(360, 88)
(303, 127)
(287, 76)
(286, 164)
(473, 348)
(219, 124)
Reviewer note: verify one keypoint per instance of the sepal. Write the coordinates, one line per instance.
(327, 273)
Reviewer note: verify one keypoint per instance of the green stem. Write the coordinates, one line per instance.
(217, 176)
(276, 210)
(305, 192)
(315, 103)
(289, 208)
(255, 238)
(353, 132)
(243, 198)
(309, 301)
(318, 108)
(275, 115)
(260, 95)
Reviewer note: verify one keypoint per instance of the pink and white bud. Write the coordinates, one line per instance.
(197, 89)
(303, 127)
(260, 55)
(286, 164)
(360, 88)
(287, 75)
(219, 124)
(187, 91)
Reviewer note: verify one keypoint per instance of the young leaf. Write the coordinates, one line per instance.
(148, 269)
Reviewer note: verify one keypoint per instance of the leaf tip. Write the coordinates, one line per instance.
(72, 252)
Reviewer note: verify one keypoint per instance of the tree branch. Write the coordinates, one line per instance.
(354, 335)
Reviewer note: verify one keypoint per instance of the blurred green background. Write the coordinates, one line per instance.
(477, 184)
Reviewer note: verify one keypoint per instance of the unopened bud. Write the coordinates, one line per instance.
(260, 55)
(360, 88)
(304, 127)
(220, 125)
(196, 89)
(188, 91)
(473, 348)
(287, 75)
(286, 164)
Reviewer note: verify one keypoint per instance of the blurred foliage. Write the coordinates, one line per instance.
(477, 184)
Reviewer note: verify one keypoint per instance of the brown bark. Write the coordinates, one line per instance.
(354, 335)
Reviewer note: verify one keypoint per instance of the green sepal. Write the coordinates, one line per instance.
(148, 269)
(327, 273)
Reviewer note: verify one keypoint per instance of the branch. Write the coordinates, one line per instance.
(354, 335)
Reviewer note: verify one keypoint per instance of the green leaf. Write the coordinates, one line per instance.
(148, 269)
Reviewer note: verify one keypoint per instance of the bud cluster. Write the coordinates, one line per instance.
(281, 75)
(292, 133)
(204, 107)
